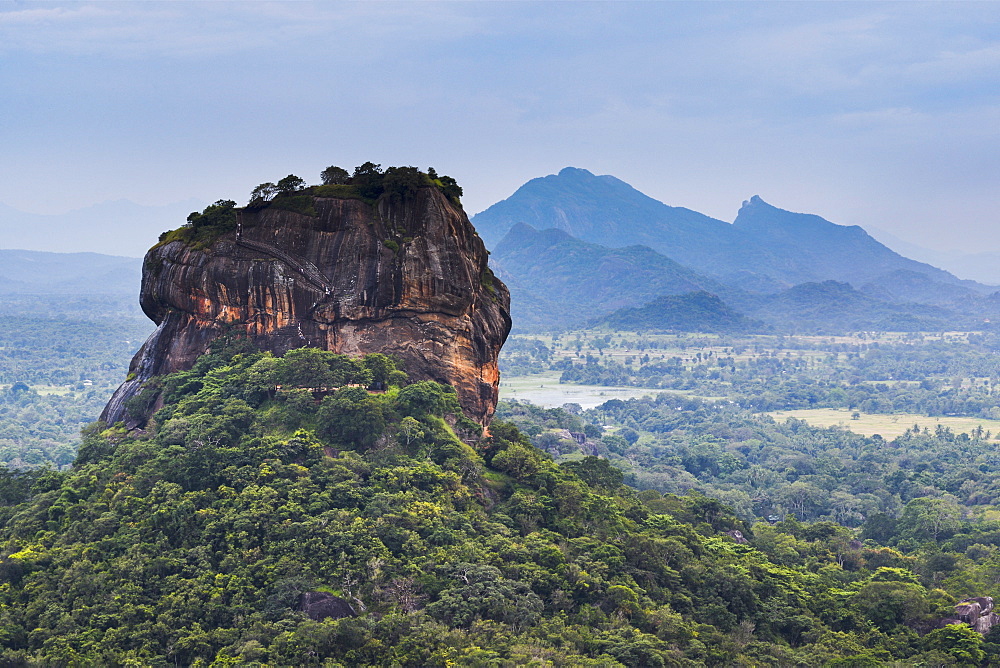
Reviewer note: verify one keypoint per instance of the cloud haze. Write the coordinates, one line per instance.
(867, 113)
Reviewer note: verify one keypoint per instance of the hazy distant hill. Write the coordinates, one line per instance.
(983, 266)
(607, 211)
(115, 228)
(556, 277)
(37, 272)
(811, 248)
(557, 281)
(766, 249)
(905, 285)
(831, 307)
(691, 312)
(828, 307)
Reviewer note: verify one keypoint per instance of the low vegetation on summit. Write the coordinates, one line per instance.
(367, 183)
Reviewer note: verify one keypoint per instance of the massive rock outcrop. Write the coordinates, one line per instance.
(406, 276)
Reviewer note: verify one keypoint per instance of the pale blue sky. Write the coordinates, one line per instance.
(884, 115)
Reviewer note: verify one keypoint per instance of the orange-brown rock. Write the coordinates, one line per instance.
(407, 277)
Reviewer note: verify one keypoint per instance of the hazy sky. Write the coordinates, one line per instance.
(885, 115)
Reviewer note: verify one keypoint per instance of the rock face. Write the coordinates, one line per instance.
(320, 605)
(977, 612)
(407, 277)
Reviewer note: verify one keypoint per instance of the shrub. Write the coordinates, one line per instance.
(367, 179)
(334, 175)
(221, 215)
(290, 184)
(338, 191)
(296, 204)
(403, 181)
(203, 228)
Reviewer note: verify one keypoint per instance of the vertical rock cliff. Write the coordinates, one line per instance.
(406, 276)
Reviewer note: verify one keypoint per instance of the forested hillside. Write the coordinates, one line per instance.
(764, 468)
(691, 312)
(205, 538)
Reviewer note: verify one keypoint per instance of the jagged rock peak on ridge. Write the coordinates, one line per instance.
(758, 215)
(405, 275)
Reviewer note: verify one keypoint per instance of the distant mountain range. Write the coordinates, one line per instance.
(575, 246)
(780, 247)
(37, 272)
(114, 228)
(576, 249)
(606, 211)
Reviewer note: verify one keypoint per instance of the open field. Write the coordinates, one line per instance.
(887, 425)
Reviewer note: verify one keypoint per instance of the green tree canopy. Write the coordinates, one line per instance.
(290, 184)
(263, 193)
(334, 175)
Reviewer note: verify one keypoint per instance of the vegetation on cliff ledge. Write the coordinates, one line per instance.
(203, 228)
(201, 541)
(368, 183)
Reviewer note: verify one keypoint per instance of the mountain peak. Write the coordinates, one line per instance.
(754, 202)
(576, 171)
(523, 235)
(756, 214)
(600, 209)
(522, 229)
